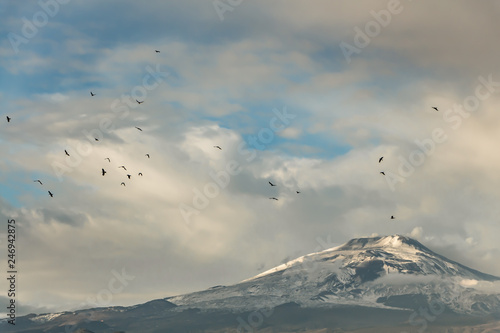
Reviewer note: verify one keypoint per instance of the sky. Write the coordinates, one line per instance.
(306, 95)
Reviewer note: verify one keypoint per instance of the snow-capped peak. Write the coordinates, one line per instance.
(367, 271)
(394, 241)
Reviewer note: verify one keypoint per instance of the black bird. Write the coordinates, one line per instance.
(271, 184)
(96, 139)
(382, 173)
(380, 159)
(297, 192)
(107, 158)
(139, 128)
(122, 184)
(38, 180)
(139, 102)
(8, 119)
(218, 147)
(92, 94)
(122, 166)
(273, 198)
(103, 172)
(435, 108)
(51, 195)
(157, 51)
(147, 155)
(66, 152)
(129, 176)
(140, 174)
(392, 217)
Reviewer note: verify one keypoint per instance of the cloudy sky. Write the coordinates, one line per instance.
(307, 95)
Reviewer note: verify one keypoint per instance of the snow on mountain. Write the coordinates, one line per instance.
(390, 271)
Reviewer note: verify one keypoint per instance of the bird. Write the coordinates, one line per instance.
(107, 158)
(147, 155)
(122, 166)
(380, 159)
(139, 102)
(392, 217)
(103, 172)
(38, 180)
(123, 184)
(8, 119)
(218, 147)
(51, 195)
(157, 51)
(140, 129)
(129, 176)
(140, 174)
(383, 173)
(297, 192)
(435, 108)
(96, 139)
(66, 152)
(92, 94)
(271, 184)
(273, 198)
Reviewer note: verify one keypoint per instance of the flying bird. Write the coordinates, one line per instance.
(392, 217)
(51, 195)
(122, 184)
(66, 152)
(122, 166)
(383, 173)
(96, 139)
(140, 129)
(297, 192)
(38, 180)
(8, 119)
(147, 155)
(380, 159)
(157, 51)
(273, 198)
(218, 147)
(107, 158)
(129, 176)
(435, 108)
(103, 172)
(271, 184)
(139, 102)
(92, 94)
(140, 173)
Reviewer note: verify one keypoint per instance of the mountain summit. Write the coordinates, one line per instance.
(382, 256)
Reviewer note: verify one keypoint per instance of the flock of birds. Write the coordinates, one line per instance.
(383, 173)
(274, 198)
(103, 172)
(381, 159)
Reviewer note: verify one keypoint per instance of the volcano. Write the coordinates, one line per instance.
(374, 284)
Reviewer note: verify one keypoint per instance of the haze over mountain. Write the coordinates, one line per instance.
(375, 283)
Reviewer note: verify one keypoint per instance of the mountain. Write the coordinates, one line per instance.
(374, 271)
(377, 283)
